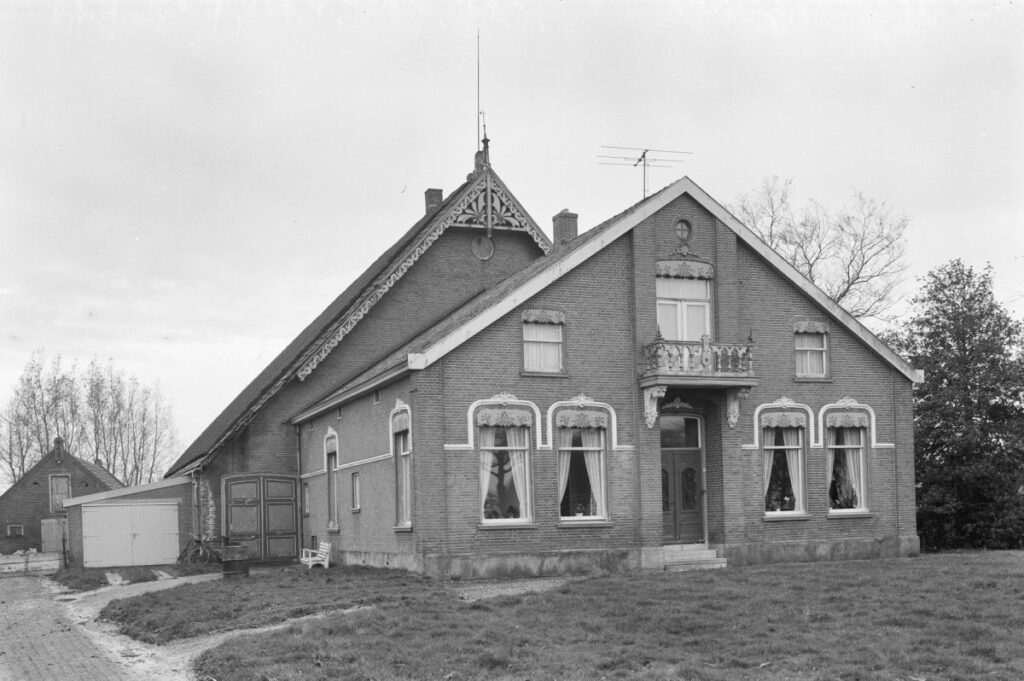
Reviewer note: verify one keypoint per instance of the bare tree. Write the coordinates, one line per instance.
(855, 256)
(45, 405)
(131, 427)
(104, 416)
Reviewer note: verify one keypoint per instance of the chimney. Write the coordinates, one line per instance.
(564, 226)
(434, 198)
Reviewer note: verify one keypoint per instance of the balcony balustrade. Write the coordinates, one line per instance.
(699, 362)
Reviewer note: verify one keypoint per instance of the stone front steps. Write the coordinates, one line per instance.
(683, 557)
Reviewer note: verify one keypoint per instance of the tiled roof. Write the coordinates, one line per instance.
(299, 351)
(104, 476)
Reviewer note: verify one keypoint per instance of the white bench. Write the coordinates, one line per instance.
(321, 556)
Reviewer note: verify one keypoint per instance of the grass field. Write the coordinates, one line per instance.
(945, 616)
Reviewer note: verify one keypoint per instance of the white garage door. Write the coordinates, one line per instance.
(131, 533)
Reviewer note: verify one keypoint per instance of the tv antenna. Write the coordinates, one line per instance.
(641, 156)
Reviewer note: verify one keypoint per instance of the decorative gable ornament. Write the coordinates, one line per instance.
(685, 269)
(469, 211)
(581, 418)
(848, 414)
(508, 417)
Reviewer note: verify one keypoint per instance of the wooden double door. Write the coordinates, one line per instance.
(262, 515)
(682, 478)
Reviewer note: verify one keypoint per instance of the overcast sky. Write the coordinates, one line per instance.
(185, 185)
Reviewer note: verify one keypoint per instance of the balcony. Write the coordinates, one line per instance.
(699, 364)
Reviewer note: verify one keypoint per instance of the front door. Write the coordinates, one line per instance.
(682, 478)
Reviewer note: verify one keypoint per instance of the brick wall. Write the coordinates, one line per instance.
(445, 276)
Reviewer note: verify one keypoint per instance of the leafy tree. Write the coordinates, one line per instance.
(103, 415)
(856, 256)
(968, 412)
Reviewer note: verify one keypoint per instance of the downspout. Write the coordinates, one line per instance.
(196, 515)
(299, 510)
(896, 453)
(638, 417)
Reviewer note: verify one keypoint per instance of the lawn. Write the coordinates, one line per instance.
(87, 579)
(945, 616)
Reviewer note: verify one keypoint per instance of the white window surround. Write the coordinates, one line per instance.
(540, 441)
(815, 435)
(12, 533)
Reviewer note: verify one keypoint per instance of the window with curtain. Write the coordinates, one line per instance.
(581, 473)
(305, 498)
(684, 308)
(403, 476)
(845, 469)
(505, 474)
(542, 347)
(811, 355)
(784, 490)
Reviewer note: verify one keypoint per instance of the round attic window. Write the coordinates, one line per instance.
(482, 247)
(683, 231)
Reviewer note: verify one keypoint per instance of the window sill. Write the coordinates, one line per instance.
(784, 516)
(402, 528)
(564, 523)
(852, 513)
(506, 526)
(812, 379)
(544, 374)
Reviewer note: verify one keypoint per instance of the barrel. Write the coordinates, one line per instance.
(236, 561)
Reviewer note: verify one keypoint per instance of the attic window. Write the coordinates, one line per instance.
(542, 341)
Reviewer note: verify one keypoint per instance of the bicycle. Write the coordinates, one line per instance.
(201, 551)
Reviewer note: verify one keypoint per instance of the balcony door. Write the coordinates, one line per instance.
(682, 478)
(684, 308)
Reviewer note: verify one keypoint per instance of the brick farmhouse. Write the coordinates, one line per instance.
(660, 389)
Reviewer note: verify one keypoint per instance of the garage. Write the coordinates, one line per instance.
(122, 534)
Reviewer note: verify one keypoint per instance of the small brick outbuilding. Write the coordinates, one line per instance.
(31, 510)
